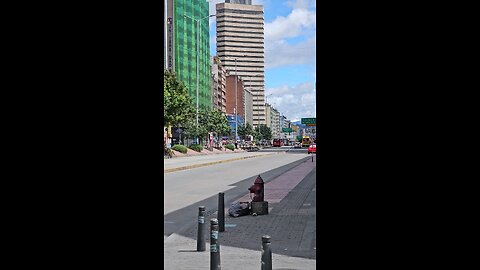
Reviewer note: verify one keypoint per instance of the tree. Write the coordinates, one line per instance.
(246, 130)
(208, 121)
(263, 132)
(213, 121)
(178, 108)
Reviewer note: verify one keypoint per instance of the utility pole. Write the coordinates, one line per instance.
(236, 98)
(198, 21)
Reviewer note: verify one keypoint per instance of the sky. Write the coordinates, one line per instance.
(290, 55)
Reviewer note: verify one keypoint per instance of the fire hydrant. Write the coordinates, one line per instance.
(257, 190)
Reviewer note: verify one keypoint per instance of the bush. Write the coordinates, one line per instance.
(230, 146)
(196, 147)
(180, 148)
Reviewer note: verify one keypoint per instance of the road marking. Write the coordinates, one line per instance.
(307, 204)
(230, 225)
(169, 222)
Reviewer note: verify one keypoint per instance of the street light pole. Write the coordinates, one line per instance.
(236, 98)
(198, 21)
(198, 52)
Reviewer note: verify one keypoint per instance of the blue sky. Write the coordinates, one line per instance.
(290, 55)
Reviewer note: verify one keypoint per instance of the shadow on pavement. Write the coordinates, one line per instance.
(291, 223)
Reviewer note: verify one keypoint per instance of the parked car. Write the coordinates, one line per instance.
(312, 148)
(297, 145)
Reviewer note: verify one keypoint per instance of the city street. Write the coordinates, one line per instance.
(290, 188)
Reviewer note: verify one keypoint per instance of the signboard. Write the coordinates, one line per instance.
(309, 121)
(286, 130)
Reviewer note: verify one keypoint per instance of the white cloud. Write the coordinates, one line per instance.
(280, 53)
(290, 26)
(294, 102)
(300, 25)
(301, 4)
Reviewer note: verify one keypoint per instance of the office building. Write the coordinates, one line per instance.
(219, 81)
(248, 101)
(273, 120)
(240, 46)
(238, 107)
(187, 27)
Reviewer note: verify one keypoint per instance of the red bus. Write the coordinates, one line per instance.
(277, 142)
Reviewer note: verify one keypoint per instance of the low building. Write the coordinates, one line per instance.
(235, 91)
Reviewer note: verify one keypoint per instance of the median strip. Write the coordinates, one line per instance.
(212, 163)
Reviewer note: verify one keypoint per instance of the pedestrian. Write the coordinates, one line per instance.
(236, 145)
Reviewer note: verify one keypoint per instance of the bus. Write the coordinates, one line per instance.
(277, 142)
(306, 141)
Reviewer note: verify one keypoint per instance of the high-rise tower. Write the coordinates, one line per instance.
(187, 27)
(240, 39)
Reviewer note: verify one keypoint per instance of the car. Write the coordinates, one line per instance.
(297, 145)
(312, 148)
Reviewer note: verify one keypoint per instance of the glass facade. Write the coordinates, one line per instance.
(186, 49)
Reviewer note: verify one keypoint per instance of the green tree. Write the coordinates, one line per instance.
(212, 121)
(178, 108)
(263, 132)
(246, 130)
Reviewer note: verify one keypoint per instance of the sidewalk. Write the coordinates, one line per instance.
(189, 162)
(290, 223)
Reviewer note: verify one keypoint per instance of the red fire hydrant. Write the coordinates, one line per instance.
(257, 190)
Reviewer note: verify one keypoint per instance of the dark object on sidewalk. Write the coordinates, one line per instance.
(221, 212)
(260, 208)
(239, 209)
(257, 189)
(201, 229)
(312, 158)
(214, 245)
(266, 253)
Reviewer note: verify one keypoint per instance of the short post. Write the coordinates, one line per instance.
(201, 229)
(266, 253)
(221, 212)
(312, 158)
(214, 245)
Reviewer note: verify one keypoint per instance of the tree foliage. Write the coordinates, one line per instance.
(244, 131)
(209, 121)
(262, 132)
(177, 105)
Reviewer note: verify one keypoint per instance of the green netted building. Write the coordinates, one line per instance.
(183, 46)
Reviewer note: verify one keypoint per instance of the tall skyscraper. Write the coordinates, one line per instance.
(187, 27)
(240, 39)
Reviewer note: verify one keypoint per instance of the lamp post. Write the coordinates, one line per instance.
(198, 21)
(236, 98)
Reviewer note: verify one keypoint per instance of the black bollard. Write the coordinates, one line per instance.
(201, 229)
(266, 253)
(312, 158)
(221, 212)
(214, 245)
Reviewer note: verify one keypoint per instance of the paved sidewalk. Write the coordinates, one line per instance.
(183, 163)
(291, 223)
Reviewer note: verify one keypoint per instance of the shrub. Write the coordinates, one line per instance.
(230, 146)
(196, 147)
(180, 148)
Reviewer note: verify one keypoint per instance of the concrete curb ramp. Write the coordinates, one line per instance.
(213, 162)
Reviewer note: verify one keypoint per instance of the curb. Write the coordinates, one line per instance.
(212, 163)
